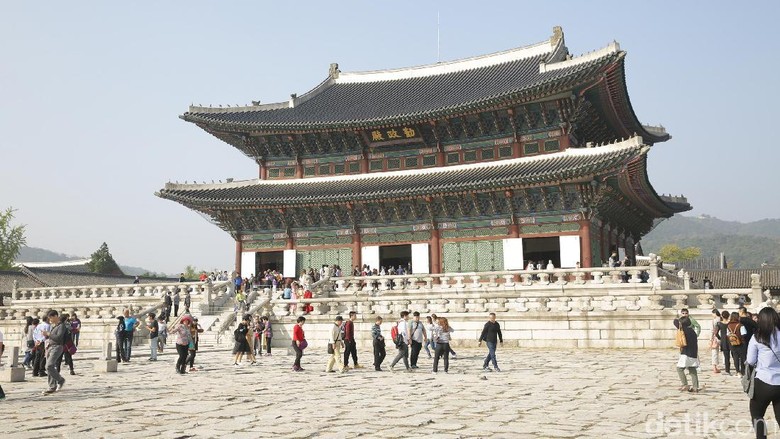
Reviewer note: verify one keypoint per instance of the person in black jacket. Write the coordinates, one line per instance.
(491, 333)
(689, 356)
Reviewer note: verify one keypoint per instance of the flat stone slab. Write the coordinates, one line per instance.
(540, 393)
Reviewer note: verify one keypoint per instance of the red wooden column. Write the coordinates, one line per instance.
(357, 254)
(238, 256)
(263, 170)
(290, 242)
(586, 256)
(435, 251)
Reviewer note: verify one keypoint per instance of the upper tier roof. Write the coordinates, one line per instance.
(571, 164)
(402, 95)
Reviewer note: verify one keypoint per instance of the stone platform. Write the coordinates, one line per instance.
(577, 393)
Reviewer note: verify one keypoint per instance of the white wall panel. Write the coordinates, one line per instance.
(513, 254)
(420, 259)
(570, 251)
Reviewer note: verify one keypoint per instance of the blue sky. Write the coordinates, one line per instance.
(90, 94)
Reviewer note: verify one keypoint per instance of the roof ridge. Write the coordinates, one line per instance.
(609, 49)
(632, 142)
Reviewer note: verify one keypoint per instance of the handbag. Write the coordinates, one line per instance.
(70, 348)
(330, 348)
(679, 340)
(749, 378)
(303, 345)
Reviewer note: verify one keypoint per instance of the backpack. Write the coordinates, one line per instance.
(735, 338)
(238, 335)
(394, 334)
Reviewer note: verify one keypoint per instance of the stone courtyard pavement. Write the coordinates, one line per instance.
(539, 394)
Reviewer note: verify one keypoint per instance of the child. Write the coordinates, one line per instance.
(379, 344)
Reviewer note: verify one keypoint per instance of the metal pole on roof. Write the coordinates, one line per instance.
(438, 37)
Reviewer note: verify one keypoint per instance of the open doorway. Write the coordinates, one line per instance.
(542, 251)
(269, 261)
(395, 255)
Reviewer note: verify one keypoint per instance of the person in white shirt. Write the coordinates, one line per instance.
(403, 347)
(39, 357)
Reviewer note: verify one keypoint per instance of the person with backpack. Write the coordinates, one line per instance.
(183, 343)
(689, 355)
(335, 346)
(241, 345)
(737, 334)
(379, 344)
(400, 334)
(763, 354)
(418, 336)
(722, 335)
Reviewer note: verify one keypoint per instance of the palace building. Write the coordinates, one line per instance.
(480, 164)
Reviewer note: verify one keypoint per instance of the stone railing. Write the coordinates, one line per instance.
(229, 319)
(511, 280)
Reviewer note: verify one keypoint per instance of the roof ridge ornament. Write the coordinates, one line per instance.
(613, 47)
(334, 71)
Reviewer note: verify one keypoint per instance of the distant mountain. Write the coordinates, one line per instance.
(746, 245)
(34, 254)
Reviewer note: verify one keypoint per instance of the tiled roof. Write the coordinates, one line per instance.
(365, 98)
(570, 164)
(738, 278)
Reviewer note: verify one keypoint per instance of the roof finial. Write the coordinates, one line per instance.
(557, 35)
(334, 71)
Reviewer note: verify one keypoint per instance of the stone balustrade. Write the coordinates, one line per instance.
(510, 280)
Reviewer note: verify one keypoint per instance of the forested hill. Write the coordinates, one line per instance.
(34, 254)
(746, 245)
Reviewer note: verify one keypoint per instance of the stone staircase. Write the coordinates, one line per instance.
(218, 327)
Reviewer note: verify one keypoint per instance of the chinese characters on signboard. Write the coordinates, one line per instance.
(393, 134)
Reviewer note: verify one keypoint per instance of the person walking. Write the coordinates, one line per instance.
(299, 343)
(335, 346)
(29, 343)
(168, 300)
(267, 335)
(402, 342)
(56, 340)
(75, 329)
(66, 356)
(737, 334)
(131, 323)
(187, 301)
(154, 332)
(241, 345)
(119, 337)
(40, 335)
(491, 333)
(714, 343)
(379, 344)
(689, 355)
(436, 322)
(350, 346)
(176, 300)
(443, 337)
(694, 324)
(418, 336)
(725, 347)
(183, 342)
(162, 333)
(763, 354)
(195, 330)
(430, 344)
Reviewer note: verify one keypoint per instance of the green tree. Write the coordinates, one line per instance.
(673, 253)
(191, 273)
(12, 239)
(102, 262)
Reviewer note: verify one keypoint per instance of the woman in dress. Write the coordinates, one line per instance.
(689, 356)
(298, 343)
(763, 354)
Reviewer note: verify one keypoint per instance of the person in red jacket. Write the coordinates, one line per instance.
(350, 347)
(298, 343)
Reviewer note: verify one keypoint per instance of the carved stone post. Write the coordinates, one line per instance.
(653, 267)
(755, 289)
